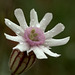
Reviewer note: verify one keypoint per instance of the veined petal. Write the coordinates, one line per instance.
(22, 47)
(50, 53)
(14, 38)
(33, 18)
(20, 17)
(17, 29)
(56, 42)
(56, 30)
(45, 21)
(39, 53)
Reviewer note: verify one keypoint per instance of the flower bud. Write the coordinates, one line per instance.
(20, 61)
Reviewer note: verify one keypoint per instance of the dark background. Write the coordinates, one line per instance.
(64, 12)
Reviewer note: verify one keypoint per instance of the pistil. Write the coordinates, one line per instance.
(33, 35)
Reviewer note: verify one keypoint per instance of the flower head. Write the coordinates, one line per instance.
(34, 38)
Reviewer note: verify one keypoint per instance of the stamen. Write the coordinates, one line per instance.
(31, 36)
(33, 31)
(34, 36)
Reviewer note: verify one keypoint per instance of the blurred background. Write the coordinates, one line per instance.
(64, 12)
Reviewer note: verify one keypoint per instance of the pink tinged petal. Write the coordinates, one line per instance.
(45, 21)
(56, 42)
(39, 53)
(50, 53)
(56, 30)
(33, 18)
(20, 17)
(14, 27)
(22, 47)
(14, 38)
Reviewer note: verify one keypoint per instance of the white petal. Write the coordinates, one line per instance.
(56, 42)
(17, 29)
(28, 51)
(22, 47)
(20, 17)
(45, 21)
(56, 30)
(47, 51)
(33, 18)
(14, 38)
(39, 53)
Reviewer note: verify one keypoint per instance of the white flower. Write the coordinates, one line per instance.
(34, 38)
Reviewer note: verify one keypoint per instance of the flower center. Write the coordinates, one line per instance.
(34, 36)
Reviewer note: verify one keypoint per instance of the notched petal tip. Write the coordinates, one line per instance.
(42, 57)
(50, 15)
(57, 55)
(6, 20)
(22, 47)
(39, 53)
(60, 25)
(17, 10)
(33, 10)
(9, 37)
(33, 18)
(21, 18)
(55, 31)
(57, 42)
(45, 21)
(5, 35)
(16, 47)
(49, 52)
(67, 39)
